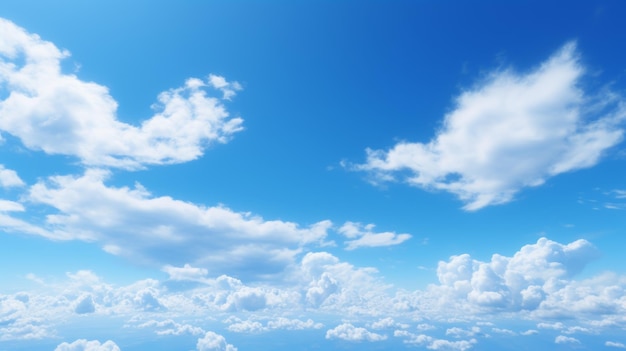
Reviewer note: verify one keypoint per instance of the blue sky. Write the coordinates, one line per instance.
(343, 175)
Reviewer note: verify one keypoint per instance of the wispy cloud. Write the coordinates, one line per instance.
(166, 231)
(364, 236)
(511, 131)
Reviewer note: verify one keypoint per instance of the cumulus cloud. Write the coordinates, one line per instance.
(387, 323)
(349, 332)
(133, 223)
(214, 342)
(521, 282)
(60, 114)
(335, 285)
(509, 132)
(84, 345)
(561, 339)
(363, 236)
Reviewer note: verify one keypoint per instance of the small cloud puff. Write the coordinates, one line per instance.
(349, 332)
(618, 345)
(561, 339)
(364, 236)
(214, 342)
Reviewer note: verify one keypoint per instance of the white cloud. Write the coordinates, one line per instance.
(615, 344)
(84, 345)
(460, 332)
(561, 339)
(386, 323)
(133, 223)
(186, 272)
(280, 323)
(9, 178)
(293, 324)
(214, 342)
(510, 132)
(170, 327)
(228, 89)
(363, 236)
(434, 343)
(60, 114)
(521, 282)
(347, 331)
(247, 327)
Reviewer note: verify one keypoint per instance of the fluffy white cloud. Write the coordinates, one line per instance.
(509, 132)
(133, 223)
(522, 282)
(363, 236)
(561, 339)
(186, 272)
(387, 323)
(84, 345)
(60, 114)
(349, 332)
(214, 342)
(9, 178)
(460, 332)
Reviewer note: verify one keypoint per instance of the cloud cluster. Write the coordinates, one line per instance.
(535, 285)
(85, 345)
(432, 343)
(214, 342)
(510, 132)
(349, 332)
(280, 323)
(533, 279)
(58, 113)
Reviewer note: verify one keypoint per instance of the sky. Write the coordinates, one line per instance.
(312, 175)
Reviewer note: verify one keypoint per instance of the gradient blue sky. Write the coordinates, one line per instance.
(239, 175)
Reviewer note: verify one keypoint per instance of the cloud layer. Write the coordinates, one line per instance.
(509, 132)
(473, 302)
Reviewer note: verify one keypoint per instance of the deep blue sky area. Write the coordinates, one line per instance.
(337, 175)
